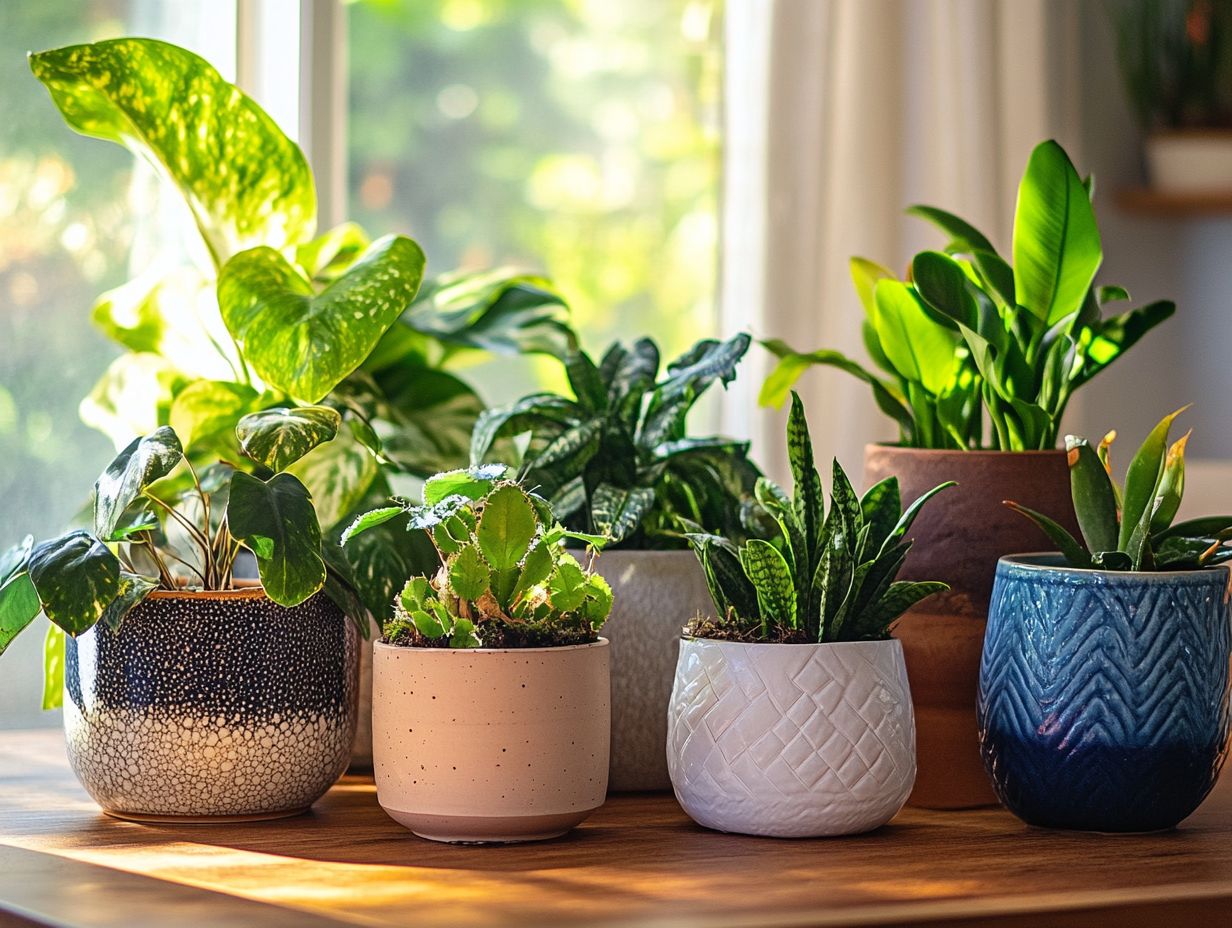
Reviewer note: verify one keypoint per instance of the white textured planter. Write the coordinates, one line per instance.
(791, 740)
(490, 746)
(654, 595)
(1193, 162)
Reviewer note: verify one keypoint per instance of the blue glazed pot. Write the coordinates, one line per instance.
(1104, 696)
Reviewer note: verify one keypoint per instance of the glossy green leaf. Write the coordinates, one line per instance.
(304, 342)
(15, 558)
(1075, 554)
(536, 569)
(280, 510)
(618, 512)
(337, 474)
(53, 667)
(1094, 499)
(1171, 486)
(328, 256)
(280, 436)
(1113, 337)
(463, 635)
(920, 349)
(1141, 479)
(471, 482)
(76, 577)
(370, 519)
(688, 377)
(506, 527)
(145, 460)
(943, 284)
(205, 413)
(964, 237)
(431, 414)
(248, 185)
(19, 605)
(864, 276)
(880, 508)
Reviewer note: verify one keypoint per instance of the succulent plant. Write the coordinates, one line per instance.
(1129, 526)
(616, 459)
(504, 578)
(824, 578)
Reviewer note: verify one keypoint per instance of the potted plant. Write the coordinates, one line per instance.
(1176, 61)
(191, 697)
(978, 358)
(1104, 695)
(791, 715)
(616, 459)
(491, 708)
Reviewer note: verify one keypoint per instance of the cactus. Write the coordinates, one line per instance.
(1130, 527)
(505, 578)
(824, 578)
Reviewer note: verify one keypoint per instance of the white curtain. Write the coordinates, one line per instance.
(841, 113)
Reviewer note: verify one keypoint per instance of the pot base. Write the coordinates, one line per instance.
(147, 818)
(488, 829)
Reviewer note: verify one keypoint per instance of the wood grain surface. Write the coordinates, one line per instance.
(638, 862)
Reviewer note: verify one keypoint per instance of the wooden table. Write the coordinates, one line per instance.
(639, 861)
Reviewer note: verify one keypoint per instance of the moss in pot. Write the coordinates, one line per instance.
(616, 458)
(975, 356)
(791, 714)
(491, 705)
(192, 698)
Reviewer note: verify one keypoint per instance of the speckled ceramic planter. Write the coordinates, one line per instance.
(212, 707)
(490, 746)
(791, 740)
(655, 594)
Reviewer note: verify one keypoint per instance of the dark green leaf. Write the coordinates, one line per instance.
(134, 588)
(618, 512)
(901, 596)
(145, 460)
(76, 577)
(281, 511)
(809, 498)
(1075, 554)
(880, 508)
(1138, 498)
(19, 604)
(1094, 499)
(771, 578)
(964, 237)
(281, 436)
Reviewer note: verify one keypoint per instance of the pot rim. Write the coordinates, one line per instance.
(960, 452)
(601, 643)
(786, 644)
(253, 592)
(1031, 562)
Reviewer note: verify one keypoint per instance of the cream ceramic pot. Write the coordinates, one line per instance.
(490, 746)
(791, 740)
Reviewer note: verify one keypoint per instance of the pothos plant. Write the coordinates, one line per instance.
(265, 313)
(971, 340)
(824, 577)
(616, 457)
(502, 578)
(1130, 526)
(152, 530)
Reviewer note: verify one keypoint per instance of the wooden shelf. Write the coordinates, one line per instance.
(1144, 201)
(639, 861)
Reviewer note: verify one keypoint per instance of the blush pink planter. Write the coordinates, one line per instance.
(490, 746)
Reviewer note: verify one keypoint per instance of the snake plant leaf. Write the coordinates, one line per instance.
(19, 605)
(1171, 486)
(903, 525)
(471, 482)
(145, 460)
(506, 527)
(1141, 480)
(618, 511)
(880, 509)
(76, 577)
(134, 588)
(843, 499)
(767, 570)
(249, 185)
(964, 237)
(920, 350)
(53, 667)
(204, 414)
(276, 520)
(1095, 501)
(468, 574)
(337, 474)
(1204, 527)
(809, 501)
(900, 597)
(1056, 239)
(304, 342)
(1075, 554)
(280, 436)
(730, 588)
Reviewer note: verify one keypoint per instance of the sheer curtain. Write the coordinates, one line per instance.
(840, 113)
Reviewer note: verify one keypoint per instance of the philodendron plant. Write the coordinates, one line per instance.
(616, 458)
(503, 577)
(1130, 526)
(970, 340)
(160, 523)
(823, 577)
(266, 313)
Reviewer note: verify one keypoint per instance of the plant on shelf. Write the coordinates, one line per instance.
(1130, 526)
(504, 577)
(616, 458)
(971, 341)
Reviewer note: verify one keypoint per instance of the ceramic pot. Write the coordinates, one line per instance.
(791, 740)
(212, 706)
(958, 538)
(1197, 161)
(490, 746)
(654, 595)
(1104, 696)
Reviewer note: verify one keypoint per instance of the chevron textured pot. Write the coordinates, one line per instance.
(791, 740)
(1103, 699)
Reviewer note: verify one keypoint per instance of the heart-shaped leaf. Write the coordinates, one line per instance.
(277, 522)
(133, 589)
(19, 604)
(304, 342)
(279, 437)
(248, 185)
(76, 577)
(145, 460)
(205, 412)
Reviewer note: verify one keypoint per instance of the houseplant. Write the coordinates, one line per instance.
(976, 358)
(791, 714)
(192, 697)
(1176, 62)
(491, 713)
(1104, 694)
(616, 458)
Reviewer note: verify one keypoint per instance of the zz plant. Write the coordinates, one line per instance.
(971, 340)
(1130, 526)
(503, 577)
(616, 458)
(824, 577)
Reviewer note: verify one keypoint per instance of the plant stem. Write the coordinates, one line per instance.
(194, 532)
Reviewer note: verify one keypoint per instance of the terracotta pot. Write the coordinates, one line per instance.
(480, 746)
(958, 538)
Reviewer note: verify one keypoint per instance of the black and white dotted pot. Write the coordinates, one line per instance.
(212, 706)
